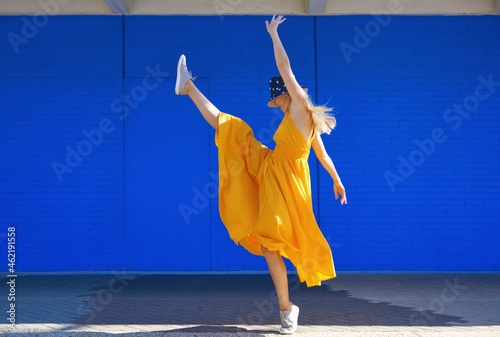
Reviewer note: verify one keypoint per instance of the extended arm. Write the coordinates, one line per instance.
(294, 89)
(326, 161)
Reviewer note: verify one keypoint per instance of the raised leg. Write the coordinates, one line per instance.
(280, 279)
(207, 109)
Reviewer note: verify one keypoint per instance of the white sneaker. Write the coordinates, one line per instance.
(289, 320)
(183, 76)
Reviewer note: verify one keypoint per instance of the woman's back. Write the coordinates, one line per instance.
(303, 120)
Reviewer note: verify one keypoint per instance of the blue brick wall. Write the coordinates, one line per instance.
(56, 84)
(391, 89)
(391, 85)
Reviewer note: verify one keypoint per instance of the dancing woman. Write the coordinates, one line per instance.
(265, 195)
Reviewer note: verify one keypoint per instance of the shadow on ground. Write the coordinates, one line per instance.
(238, 299)
(211, 303)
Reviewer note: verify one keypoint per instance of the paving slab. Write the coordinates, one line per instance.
(246, 305)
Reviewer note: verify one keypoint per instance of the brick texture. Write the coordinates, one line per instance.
(416, 146)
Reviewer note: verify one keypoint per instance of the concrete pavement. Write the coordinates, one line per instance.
(246, 305)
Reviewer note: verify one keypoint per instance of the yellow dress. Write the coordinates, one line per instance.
(265, 196)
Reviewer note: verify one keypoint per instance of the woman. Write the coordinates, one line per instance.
(265, 195)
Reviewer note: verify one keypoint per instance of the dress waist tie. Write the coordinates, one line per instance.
(287, 152)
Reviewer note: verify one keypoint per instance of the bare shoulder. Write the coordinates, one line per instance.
(302, 119)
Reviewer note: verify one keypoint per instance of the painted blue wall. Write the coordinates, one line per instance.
(57, 82)
(403, 86)
(394, 82)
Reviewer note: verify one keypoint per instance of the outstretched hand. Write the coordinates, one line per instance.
(339, 188)
(273, 26)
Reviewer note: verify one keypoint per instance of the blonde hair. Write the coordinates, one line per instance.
(322, 120)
